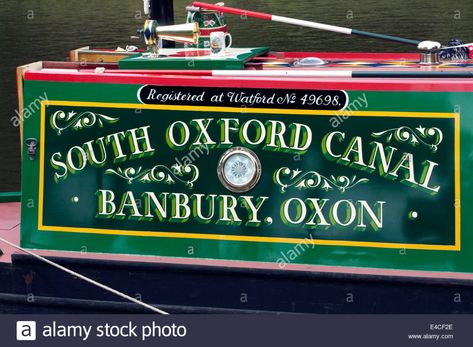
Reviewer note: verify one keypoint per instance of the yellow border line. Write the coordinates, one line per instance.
(457, 182)
(456, 117)
(251, 110)
(246, 238)
(41, 165)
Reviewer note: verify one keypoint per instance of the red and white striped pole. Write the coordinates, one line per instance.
(304, 23)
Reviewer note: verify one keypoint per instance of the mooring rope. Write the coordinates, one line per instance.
(85, 278)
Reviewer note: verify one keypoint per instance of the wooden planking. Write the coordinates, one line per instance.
(75, 65)
(85, 55)
(74, 54)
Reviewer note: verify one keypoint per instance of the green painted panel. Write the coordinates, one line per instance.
(178, 59)
(405, 215)
(10, 197)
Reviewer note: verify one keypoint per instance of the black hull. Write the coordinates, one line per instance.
(29, 286)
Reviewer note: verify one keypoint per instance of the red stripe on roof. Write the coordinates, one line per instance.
(373, 84)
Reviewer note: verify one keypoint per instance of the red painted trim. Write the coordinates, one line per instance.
(373, 84)
(232, 10)
(207, 32)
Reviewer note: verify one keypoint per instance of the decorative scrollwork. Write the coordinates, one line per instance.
(286, 178)
(185, 174)
(429, 137)
(78, 121)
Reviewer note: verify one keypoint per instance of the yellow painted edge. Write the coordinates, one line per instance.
(457, 183)
(19, 90)
(245, 238)
(20, 72)
(252, 110)
(456, 116)
(41, 164)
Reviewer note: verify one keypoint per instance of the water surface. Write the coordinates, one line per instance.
(35, 30)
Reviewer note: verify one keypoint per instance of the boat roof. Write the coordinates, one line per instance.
(402, 70)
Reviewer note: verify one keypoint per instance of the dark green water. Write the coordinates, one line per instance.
(33, 30)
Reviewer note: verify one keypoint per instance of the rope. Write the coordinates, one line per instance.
(85, 278)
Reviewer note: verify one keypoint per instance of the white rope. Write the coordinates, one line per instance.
(86, 279)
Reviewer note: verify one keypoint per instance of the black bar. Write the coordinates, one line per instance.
(179, 288)
(385, 37)
(163, 12)
(235, 330)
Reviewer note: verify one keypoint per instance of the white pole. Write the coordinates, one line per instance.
(313, 25)
(147, 6)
